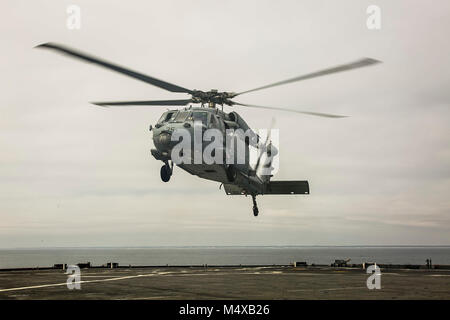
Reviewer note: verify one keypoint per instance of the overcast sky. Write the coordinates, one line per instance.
(72, 174)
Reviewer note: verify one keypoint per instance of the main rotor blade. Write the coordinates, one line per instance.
(88, 58)
(145, 103)
(354, 65)
(319, 114)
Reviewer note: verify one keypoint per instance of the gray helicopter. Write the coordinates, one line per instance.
(236, 178)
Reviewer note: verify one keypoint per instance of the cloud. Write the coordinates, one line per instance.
(75, 174)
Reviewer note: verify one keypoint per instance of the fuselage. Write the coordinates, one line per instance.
(195, 119)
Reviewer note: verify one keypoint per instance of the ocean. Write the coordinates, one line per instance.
(46, 257)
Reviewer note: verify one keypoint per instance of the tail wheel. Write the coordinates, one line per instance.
(255, 206)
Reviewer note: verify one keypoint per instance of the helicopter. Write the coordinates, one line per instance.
(237, 178)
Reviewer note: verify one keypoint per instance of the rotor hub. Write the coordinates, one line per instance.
(212, 97)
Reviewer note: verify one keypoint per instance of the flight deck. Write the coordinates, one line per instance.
(225, 282)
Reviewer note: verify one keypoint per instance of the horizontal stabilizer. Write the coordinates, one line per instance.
(287, 187)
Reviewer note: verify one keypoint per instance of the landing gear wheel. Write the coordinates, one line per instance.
(166, 173)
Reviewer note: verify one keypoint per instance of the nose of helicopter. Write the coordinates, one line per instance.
(163, 141)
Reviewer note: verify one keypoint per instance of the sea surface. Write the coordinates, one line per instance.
(46, 257)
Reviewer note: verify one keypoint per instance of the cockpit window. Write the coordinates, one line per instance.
(181, 116)
(167, 116)
(201, 116)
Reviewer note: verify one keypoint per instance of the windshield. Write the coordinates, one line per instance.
(181, 116)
